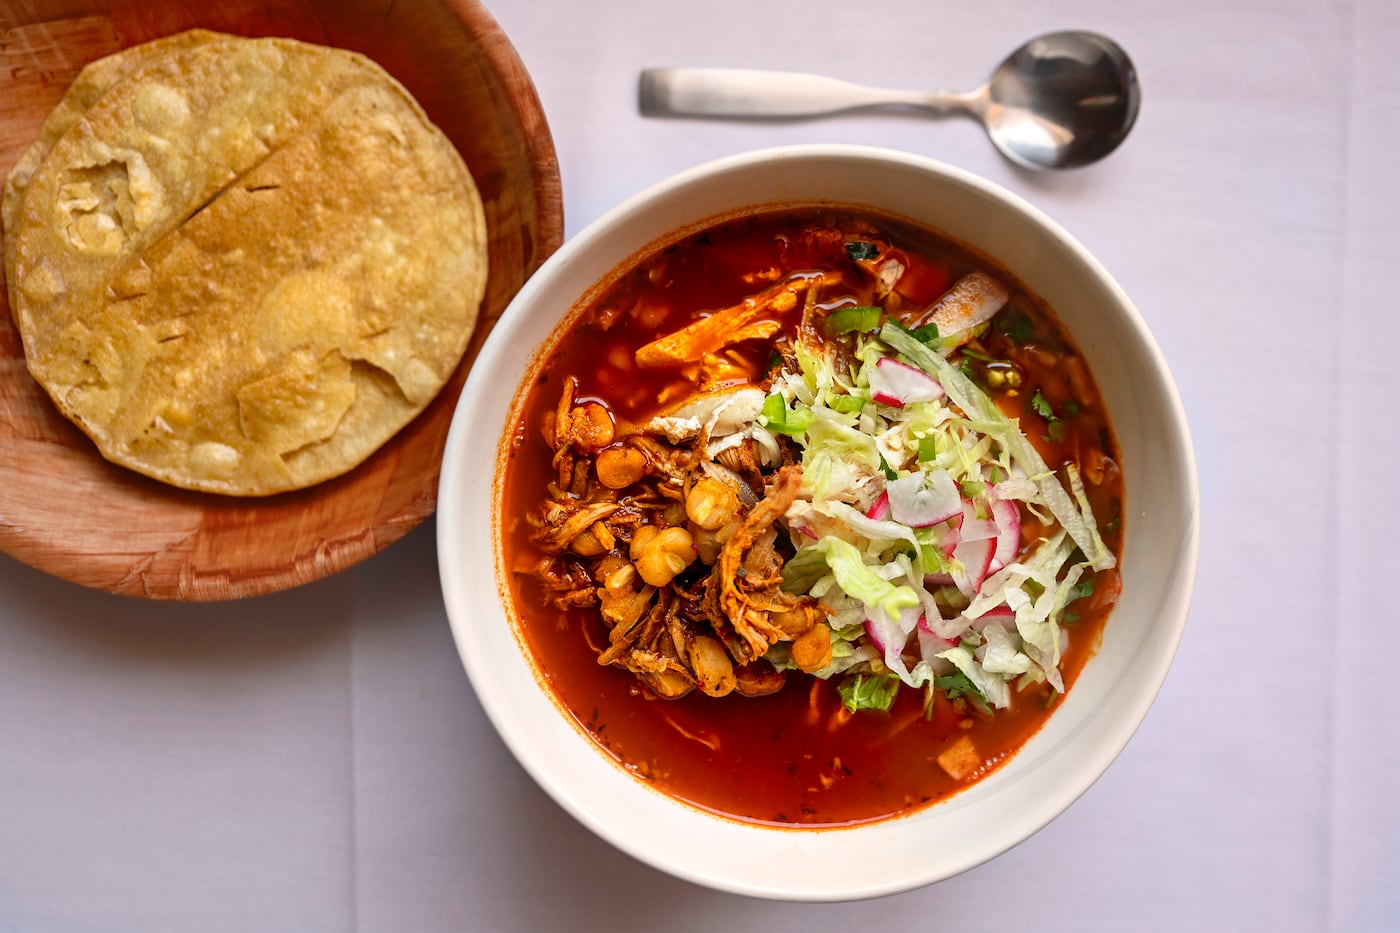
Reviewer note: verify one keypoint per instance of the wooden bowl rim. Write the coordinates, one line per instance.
(36, 546)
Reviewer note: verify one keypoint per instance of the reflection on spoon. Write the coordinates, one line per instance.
(1062, 100)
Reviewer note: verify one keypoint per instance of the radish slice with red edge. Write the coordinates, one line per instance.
(880, 509)
(976, 557)
(885, 634)
(926, 629)
(997, 614)
(1008, 522)
(974, 528)
(897, 384)
(923, 498)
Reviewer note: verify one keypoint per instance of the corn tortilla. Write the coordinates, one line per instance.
(90, 84)
(248, 265)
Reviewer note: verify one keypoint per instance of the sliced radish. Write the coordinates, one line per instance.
(976, 558)
(880, 510)
(897, 384)
(886, 634)
(974, 528)
(952, 535)
(923, 498)
(1008, 521)
(925, 628)
(947, 543)
(1000, 615)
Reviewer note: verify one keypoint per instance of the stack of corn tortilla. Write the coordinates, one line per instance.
(242, 265)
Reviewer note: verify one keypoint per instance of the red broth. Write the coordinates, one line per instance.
(796, 757)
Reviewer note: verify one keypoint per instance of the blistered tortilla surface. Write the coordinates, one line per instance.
(90, 84)
(248, 265)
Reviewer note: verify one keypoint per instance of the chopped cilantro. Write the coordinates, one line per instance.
(889, 471)
(1016, 326)
(927, 334)
(1057, 430)
(859, 249)
(957, 685)
(1040, 406)
(1069, 409)
(868, 691)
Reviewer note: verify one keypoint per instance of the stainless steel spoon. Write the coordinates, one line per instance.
(1062, 100)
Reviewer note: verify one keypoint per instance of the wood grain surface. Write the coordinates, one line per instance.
(67, 511)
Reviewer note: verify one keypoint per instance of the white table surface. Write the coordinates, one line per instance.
(316, 760)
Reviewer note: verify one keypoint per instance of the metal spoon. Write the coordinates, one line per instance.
(1062, 100)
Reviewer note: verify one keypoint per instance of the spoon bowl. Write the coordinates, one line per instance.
(1061, 100)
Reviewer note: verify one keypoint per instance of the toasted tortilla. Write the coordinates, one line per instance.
(248, 265)
(90, 84)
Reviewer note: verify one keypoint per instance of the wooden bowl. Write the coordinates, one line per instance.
(66, 510)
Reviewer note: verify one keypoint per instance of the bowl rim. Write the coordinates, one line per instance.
(1152, 671)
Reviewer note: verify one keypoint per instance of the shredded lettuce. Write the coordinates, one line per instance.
(895, 610)
(868, 691)
(977, 404)
(860, 581)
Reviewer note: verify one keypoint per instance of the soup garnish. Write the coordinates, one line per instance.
(828, 484)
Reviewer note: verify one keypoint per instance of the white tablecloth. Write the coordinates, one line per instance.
(316, 760)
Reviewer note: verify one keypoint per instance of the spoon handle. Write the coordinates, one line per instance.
(736, 92)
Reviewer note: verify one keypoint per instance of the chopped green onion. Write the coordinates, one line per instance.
(860, 319)
(845, 403)
(775, 416)
(957, 685)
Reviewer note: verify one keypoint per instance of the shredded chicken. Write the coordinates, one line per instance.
(749, 600)
(669, 530)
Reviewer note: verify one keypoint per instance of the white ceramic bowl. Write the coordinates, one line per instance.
(1099, 715)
